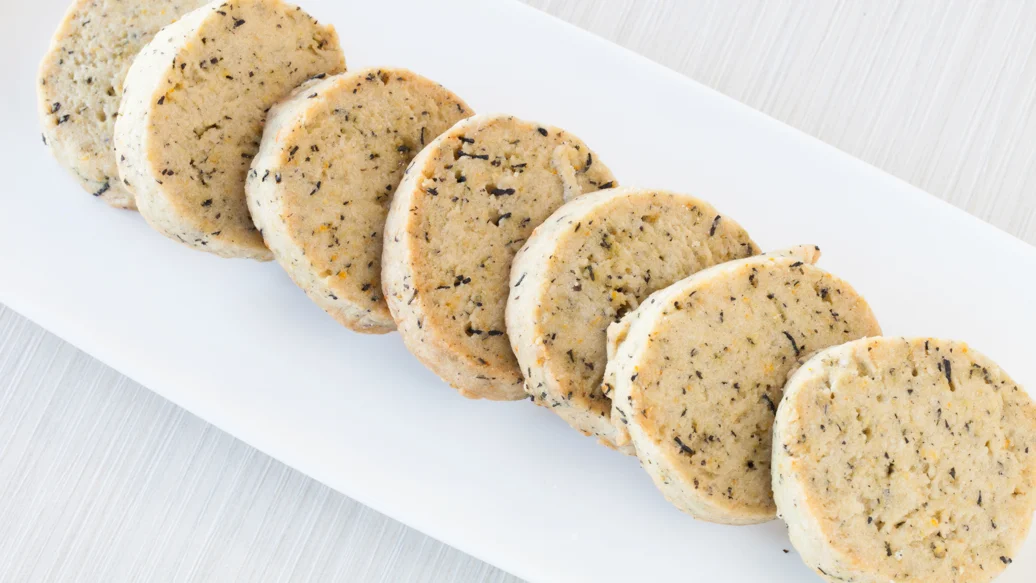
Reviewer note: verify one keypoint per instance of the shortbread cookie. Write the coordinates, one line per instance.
(699, 375)
(905, 460)
(192, 115)
(331, 158)
(617, 334)
(595, 259)
(80, 84)
(467, 203)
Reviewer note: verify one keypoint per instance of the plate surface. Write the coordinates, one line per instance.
(237, 344)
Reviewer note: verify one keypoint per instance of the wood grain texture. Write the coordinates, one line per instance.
(940, 94)
(101, 480)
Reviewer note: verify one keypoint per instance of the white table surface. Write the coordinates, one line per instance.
(101, 480)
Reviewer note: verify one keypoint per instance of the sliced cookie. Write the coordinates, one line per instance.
(618, 331)
(699, 374)
(467, 203)
(80, 84)
(332, 156)
(595, 259)
(905, 460)
(192, 115)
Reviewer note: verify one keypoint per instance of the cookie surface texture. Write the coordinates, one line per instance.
(700, 373)
(907, 460)
(80, 84)
(193, 109)
(467, 204)
(332, 156)
(594, 260)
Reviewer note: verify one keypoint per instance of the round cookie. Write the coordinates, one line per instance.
(80, 84)
(699, 374)
(905, 460)
(618, 331)
(332, 155)
(192, 115)
(595, 259)
(466, 205)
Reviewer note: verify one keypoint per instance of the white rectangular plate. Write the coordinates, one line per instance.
(236, 343)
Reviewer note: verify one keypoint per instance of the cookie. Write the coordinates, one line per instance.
(617, 334)
(699, 375)
(905, 459)
(80, 84)
(192, 114)
(594, 260)
(466, 205)
(332, 156)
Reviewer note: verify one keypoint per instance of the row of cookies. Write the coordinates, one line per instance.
(236, 131)
(757, 386)
(513, 266)
(648, 319)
